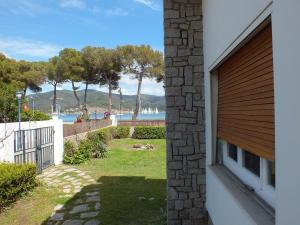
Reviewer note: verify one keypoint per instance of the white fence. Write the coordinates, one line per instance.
(7, 138)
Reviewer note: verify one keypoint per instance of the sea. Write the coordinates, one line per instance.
(69, 118)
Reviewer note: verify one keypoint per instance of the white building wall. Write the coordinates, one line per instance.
(224, 21)
(7, 137)
(286, 48)
(225, 24)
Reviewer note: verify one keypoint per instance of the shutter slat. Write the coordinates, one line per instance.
(246, 97)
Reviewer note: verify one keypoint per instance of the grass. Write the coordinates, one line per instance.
(132, 187)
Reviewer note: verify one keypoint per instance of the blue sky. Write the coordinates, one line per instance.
(37, 30)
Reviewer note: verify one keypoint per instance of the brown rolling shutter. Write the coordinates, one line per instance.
(246, 97)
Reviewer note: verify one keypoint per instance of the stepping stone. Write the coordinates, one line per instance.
(57, 217)
(97, 206)
(93, 199)
(58, 207)
(73, 222)
(67, 190)
(70, 170)
(151, 199)
(92, 222)
(78, 201)
(141, 198)
(92, 194)
(80, 208)
(88, 215)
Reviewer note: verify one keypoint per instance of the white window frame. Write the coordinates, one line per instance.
(259, 184)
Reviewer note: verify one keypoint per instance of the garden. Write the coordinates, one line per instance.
(127, 165)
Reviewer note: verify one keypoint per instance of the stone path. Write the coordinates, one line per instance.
(81, 190)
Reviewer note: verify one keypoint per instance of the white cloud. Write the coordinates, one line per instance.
(116, 12)
(27, 48)
(149, 3)
(78, 4)
(22, 7)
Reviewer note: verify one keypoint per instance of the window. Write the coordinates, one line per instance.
(254, 171)
(252, 163)
(232, 152)
(271, 173)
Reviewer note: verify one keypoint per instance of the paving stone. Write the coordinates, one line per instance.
(97, 206)
(70, 170)
(88, 215)
(93, 199)
(67, 190)
(73, 222)
(92, 193)
(80, 208)
(78, 201)
(57, 217)
(92, 222)
(58, 207)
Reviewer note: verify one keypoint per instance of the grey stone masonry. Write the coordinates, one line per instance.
(185, 112)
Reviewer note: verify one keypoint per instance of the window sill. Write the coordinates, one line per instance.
(258, 212)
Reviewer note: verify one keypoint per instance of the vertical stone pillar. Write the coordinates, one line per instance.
(185, 111)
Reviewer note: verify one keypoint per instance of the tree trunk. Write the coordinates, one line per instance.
(138, 98)
(54, 99)
(109, 96)
(75, 94)
(84, 108)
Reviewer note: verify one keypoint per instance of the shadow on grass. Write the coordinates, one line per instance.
(124, 201)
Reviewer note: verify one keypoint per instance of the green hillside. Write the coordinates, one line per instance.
(96, 99)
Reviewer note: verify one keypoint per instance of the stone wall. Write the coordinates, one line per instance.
(85, 126)
(141, 123)
(185, 112)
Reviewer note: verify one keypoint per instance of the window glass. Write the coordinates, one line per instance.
(271, 173)
(232, 151)
(252, 163)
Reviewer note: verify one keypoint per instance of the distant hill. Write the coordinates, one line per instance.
(97, 100)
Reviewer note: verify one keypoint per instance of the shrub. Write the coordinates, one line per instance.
(15, 181)
(85, 149)
(35, 115)
(149, 132)
(122, 132)
(104, 134)
(98, 148)
(73, 155)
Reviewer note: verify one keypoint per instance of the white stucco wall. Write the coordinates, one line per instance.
(286, 48)
(7, 135)
(226, 24)
(224, 21)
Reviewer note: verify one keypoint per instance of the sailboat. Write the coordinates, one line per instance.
(156, 111)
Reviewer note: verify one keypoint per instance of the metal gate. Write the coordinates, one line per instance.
(35, 146)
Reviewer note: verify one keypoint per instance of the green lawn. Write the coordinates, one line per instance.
(132, 187)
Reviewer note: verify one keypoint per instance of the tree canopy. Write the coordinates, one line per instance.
(89, 66)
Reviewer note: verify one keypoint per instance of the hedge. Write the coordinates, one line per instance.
(15, 181)
(122, 132)
(149, 132)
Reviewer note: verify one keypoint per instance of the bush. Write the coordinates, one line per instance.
(122, 132)
(149, 132)
(73, 155)
(15, 181)
(104, 134)
(98, 148)
(35, 115)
